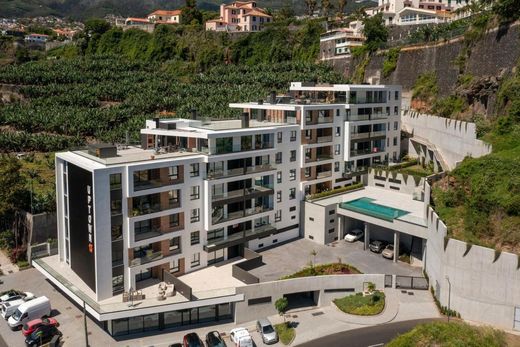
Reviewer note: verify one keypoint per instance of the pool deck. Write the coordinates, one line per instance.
(416, 209)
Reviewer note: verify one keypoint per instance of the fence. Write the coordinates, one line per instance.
(41, 250)
(240, 271)
(410, 282)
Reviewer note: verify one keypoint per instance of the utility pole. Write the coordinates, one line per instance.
(449, 297)
(85, 323)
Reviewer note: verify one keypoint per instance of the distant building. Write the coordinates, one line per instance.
(410, 12)
(165, 17)
(66, 33)
(36, 38)
(338, 42)
(240, 16)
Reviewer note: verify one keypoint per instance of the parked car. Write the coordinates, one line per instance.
(267, 332)
(13, 294)
(192, 340)
(29, 327)
(377, 246)
(388, 252)
(28, 311)
(7, 308)
(176, 345)
(354, 235)
(241, 337)
(42, 335)
(213, 339)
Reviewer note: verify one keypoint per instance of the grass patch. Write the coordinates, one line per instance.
(450, 334)
(23, 264)
(368, 305)
(324, 269)
(390, 63)
(286, 332)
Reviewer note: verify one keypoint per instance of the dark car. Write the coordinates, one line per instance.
(377, 246)
(213, 339)
(176, 345)
(42, 335)
(192, 340)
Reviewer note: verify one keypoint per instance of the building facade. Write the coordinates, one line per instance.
(337, 43)
(165, 17)
(240, 16)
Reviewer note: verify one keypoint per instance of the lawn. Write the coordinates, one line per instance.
(324, 269)
(369, 305)
(450, 334)
(286, 332)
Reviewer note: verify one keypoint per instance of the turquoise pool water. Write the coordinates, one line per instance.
(366, 206)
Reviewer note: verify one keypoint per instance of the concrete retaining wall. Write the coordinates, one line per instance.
(272, 291)
(393, 180)
(485, 285)
(462, 136)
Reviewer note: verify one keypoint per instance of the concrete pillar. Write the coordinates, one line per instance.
(367, 235)
(396, 246)
(340, 227)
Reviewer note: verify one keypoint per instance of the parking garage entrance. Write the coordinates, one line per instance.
(302, 299)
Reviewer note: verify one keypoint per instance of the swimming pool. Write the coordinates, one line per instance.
(368, 207)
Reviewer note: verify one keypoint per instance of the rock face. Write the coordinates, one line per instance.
(481, 93)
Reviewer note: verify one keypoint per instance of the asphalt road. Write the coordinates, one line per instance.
(372, 336)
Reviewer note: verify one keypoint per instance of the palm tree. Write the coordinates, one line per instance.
(341, 8)
(325, 7)
(311, 6)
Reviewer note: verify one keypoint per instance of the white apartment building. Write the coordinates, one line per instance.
(197, 193)
(337, 43)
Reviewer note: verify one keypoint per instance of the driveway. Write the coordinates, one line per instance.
(293, 256)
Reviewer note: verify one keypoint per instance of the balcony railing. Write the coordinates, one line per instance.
(221, 217)
(242, 193)
(324, 174)
(319, 157)
(148, 233)
(148, 258)
(378, 133)
(154, 207)
(354, 136)
(322, 139)
(364, 151)
(239, 171)
(240, 237)
(374, 116)
(319, 120)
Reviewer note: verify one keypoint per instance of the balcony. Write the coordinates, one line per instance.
(323, 174)
(148, 258)
(381, 133)
(319, 157)
(219, 216)
(323, 139)
(239, 171)
(364, 117)
(238, 238)
(153, 203)
(319, 120)
(365, 151)
(243, 193)
(355, 136)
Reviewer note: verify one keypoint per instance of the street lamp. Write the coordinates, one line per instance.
(449, 297)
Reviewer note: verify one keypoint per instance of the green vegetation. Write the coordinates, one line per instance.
(324, 269)
(286, 333)
(334, 191)
(450, 334)
(425, 87)
(375, 31)
(390, 62)
(449, 107)
(362, 305)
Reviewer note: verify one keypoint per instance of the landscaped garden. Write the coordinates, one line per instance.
(362, 305)
(324, 269)
(286, 332)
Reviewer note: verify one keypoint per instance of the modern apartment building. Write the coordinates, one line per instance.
(337, 43)
(198, 193)
(240, 16)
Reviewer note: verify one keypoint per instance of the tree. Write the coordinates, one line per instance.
(281, 306)
(508, 10)
(96, 26)
(190, 13)
(375, 31)
(341, 7)
(311, 6)
(13, 192)
(326, 6)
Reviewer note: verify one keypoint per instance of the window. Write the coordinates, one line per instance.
(173, 173)
(215, 234)
(278, 158)
(194, 170)
(336, 166)
(308, 133)
(173, 198)
(195, 215)
(292, 175)
(292, 193)
(337, 149)
(311, 219)
(195, 238)
(174, 220)
(293, 135)
(396, 95)
(396, 110)
(215, 257)
(338, 131)
(174, 266)
(195, 259)
(279, 196)
(117, 232)
(278, 216)
(387, 142)
(279, 136)
(396, 125)
(293, 155)
(175, 245)
(307, 172)
(279, 177)
(257, 301)
(331, 231)
(292, 208)
(195, 193)
(395, 141)
(115, 207)
(115, 182)
(331, 212)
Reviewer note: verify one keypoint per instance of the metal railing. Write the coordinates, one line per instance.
(148, 258)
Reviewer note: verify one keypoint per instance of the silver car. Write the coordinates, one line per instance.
(266, 330)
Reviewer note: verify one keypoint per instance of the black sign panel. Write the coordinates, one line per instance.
(81, 220)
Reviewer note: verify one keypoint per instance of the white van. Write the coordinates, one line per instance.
(7, 308)
(36, 308)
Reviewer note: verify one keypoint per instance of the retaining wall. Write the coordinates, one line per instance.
(485, 285)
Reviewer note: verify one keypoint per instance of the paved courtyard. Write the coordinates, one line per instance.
(293, 256)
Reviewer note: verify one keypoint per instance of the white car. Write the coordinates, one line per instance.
(13, 294)
(7, 308)
(241, 337)
(354, 235)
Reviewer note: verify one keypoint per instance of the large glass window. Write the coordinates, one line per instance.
(135, 324)
(224, 145)
(215, 257)
(115, 181)
(224, 311)
(207, 314)
(194, 170)
(174, 220)
(115, 207)
(120, 327)
(151, 322)
(172, 319)
(173, 173)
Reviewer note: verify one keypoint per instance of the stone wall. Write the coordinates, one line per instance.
(435, 130)
(485, 284)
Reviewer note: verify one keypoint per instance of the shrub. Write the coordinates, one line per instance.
(390, 63)
(18, 254)
(7, 239)
(449, 106)
(425, 87)
(334, 191)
